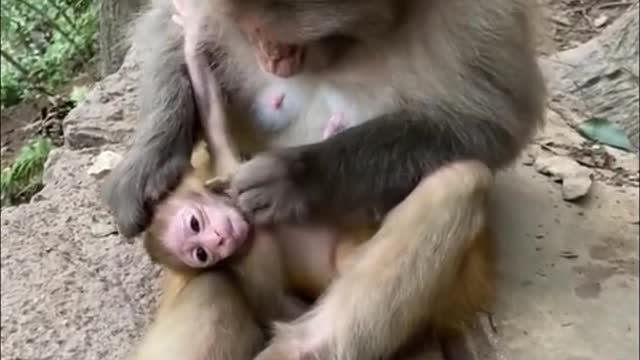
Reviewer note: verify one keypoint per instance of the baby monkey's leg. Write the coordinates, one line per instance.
(208, 319)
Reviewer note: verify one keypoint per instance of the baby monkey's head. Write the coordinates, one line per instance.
(195, 229)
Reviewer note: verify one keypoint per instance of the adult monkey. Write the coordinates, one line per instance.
(423, 84)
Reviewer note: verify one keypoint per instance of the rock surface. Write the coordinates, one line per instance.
(72, 289)
(67, 294)
(103, 164)
(104, 117)
(600, 77)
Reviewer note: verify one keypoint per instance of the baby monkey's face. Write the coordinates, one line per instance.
(202, 229)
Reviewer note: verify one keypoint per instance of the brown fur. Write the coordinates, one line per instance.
(455, 80)
(469, 291)
(260, 270)
(189, 326)
(191, 187)
(265, 284)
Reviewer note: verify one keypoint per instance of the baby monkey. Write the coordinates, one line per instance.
(198, 226)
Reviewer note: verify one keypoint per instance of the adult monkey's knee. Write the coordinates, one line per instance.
(421, 258)
(404, 275)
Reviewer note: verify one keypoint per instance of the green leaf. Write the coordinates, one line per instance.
(48, 58)
(605, 132)
(24, 176)
(78, 93)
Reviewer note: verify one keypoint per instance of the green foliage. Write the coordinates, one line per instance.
(44, 42)
(11, 90)
(78, 93)
(23, 178)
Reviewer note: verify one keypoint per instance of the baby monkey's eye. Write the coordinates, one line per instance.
(201, 255)
(195, 225)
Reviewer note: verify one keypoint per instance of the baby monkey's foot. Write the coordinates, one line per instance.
(301, 340)
(283, 351)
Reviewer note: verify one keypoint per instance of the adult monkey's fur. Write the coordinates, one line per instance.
(428, 83)
(205, 317)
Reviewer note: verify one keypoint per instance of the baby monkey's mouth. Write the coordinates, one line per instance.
(280, 59)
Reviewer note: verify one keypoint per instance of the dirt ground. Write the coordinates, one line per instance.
(571, 22)
(40, 116)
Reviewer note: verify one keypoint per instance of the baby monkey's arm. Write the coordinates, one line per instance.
(220, 183)
(206, 90)
(261, 272)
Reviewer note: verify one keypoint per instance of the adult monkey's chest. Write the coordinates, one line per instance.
(278, 114)
(302, 115)
(308, 102)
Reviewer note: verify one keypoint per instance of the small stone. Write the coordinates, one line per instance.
(576, 179)
(529, 160)
(561, 20)
(104, 98)
(117, 115)
(104, 163)
(601, 20)
(570, 255)
(574, 188)
(37, 198)
(100, 230)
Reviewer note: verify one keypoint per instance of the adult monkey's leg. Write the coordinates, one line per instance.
(402, 278)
